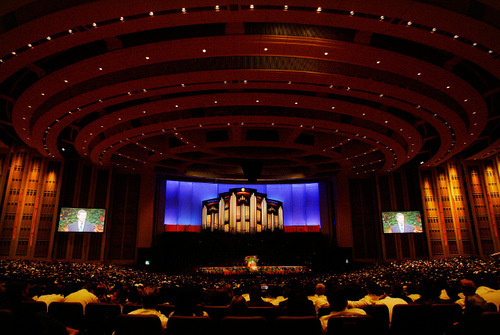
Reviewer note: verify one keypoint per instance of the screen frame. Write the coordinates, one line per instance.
(387, 224)
(73, 212)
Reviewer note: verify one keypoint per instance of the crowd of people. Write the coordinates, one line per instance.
(464, 280)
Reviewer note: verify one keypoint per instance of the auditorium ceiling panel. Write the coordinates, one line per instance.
(199, 88)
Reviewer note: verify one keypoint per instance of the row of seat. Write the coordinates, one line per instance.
(102, 318)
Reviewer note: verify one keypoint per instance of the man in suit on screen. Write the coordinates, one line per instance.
(401, 226)
(82, 225)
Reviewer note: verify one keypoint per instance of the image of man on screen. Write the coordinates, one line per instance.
(82, 225)
(401, 226)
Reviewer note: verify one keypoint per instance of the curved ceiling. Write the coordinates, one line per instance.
(271, 89)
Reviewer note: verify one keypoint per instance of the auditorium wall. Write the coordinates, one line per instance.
(33, 188)
(460, 205)
(459, 201)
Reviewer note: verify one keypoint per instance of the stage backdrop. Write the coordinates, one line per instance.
(183, 205)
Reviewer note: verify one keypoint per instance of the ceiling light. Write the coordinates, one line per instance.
(183, 10)
(352, 12)
(151, 13)
(456, 36)
(265, 49)
(378, 62)
(122, 18)
(147, 57)
(204, 50)
(100, 69)
(29, 45)
(94, 24)
(217, 7)
(252, 7)
(70, 31)
(319, 9)
(285, 7)
(434, 30)
(474, 44)
(409, 23)
(326, 53)
(382, 17)
(49, 38)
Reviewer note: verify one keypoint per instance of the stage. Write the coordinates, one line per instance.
(243, 270)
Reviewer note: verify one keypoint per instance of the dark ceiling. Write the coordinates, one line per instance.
(271, 89)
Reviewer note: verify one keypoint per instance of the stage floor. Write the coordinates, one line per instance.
(234, 270)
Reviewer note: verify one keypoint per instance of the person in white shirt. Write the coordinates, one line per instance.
(338, 303)
(150, 297)
(83, 296)
(319, 299)
(374, 295)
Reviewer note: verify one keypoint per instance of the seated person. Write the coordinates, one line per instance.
(238, 306)
(338, 303)
(319, 298)
(395, 297)
(84, 296)
(150, 297)
(186, 303)
(374, 293)
(297, 303)
(256, 300)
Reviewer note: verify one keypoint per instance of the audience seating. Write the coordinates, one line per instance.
(100, 318)
(165, 309)
(68, 313)
(217, 313)
(244, 325)
(7, 322)
(350, 325)
(269, 313)
(190, 325)
(441, 317)
(489, 323)
(30, 308)
(127, 308)
(409, 319)
(380, 315)
(127, 324)
(324, 311)
(297, 325)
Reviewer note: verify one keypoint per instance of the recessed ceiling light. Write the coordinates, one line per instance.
(204, 50)
(151, 13)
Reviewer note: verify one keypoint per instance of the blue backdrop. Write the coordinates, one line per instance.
(183, 205)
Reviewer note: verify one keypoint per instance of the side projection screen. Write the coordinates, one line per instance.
(81, 220)
(402, 222)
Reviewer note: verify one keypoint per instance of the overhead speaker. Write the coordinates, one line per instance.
(252, 169)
